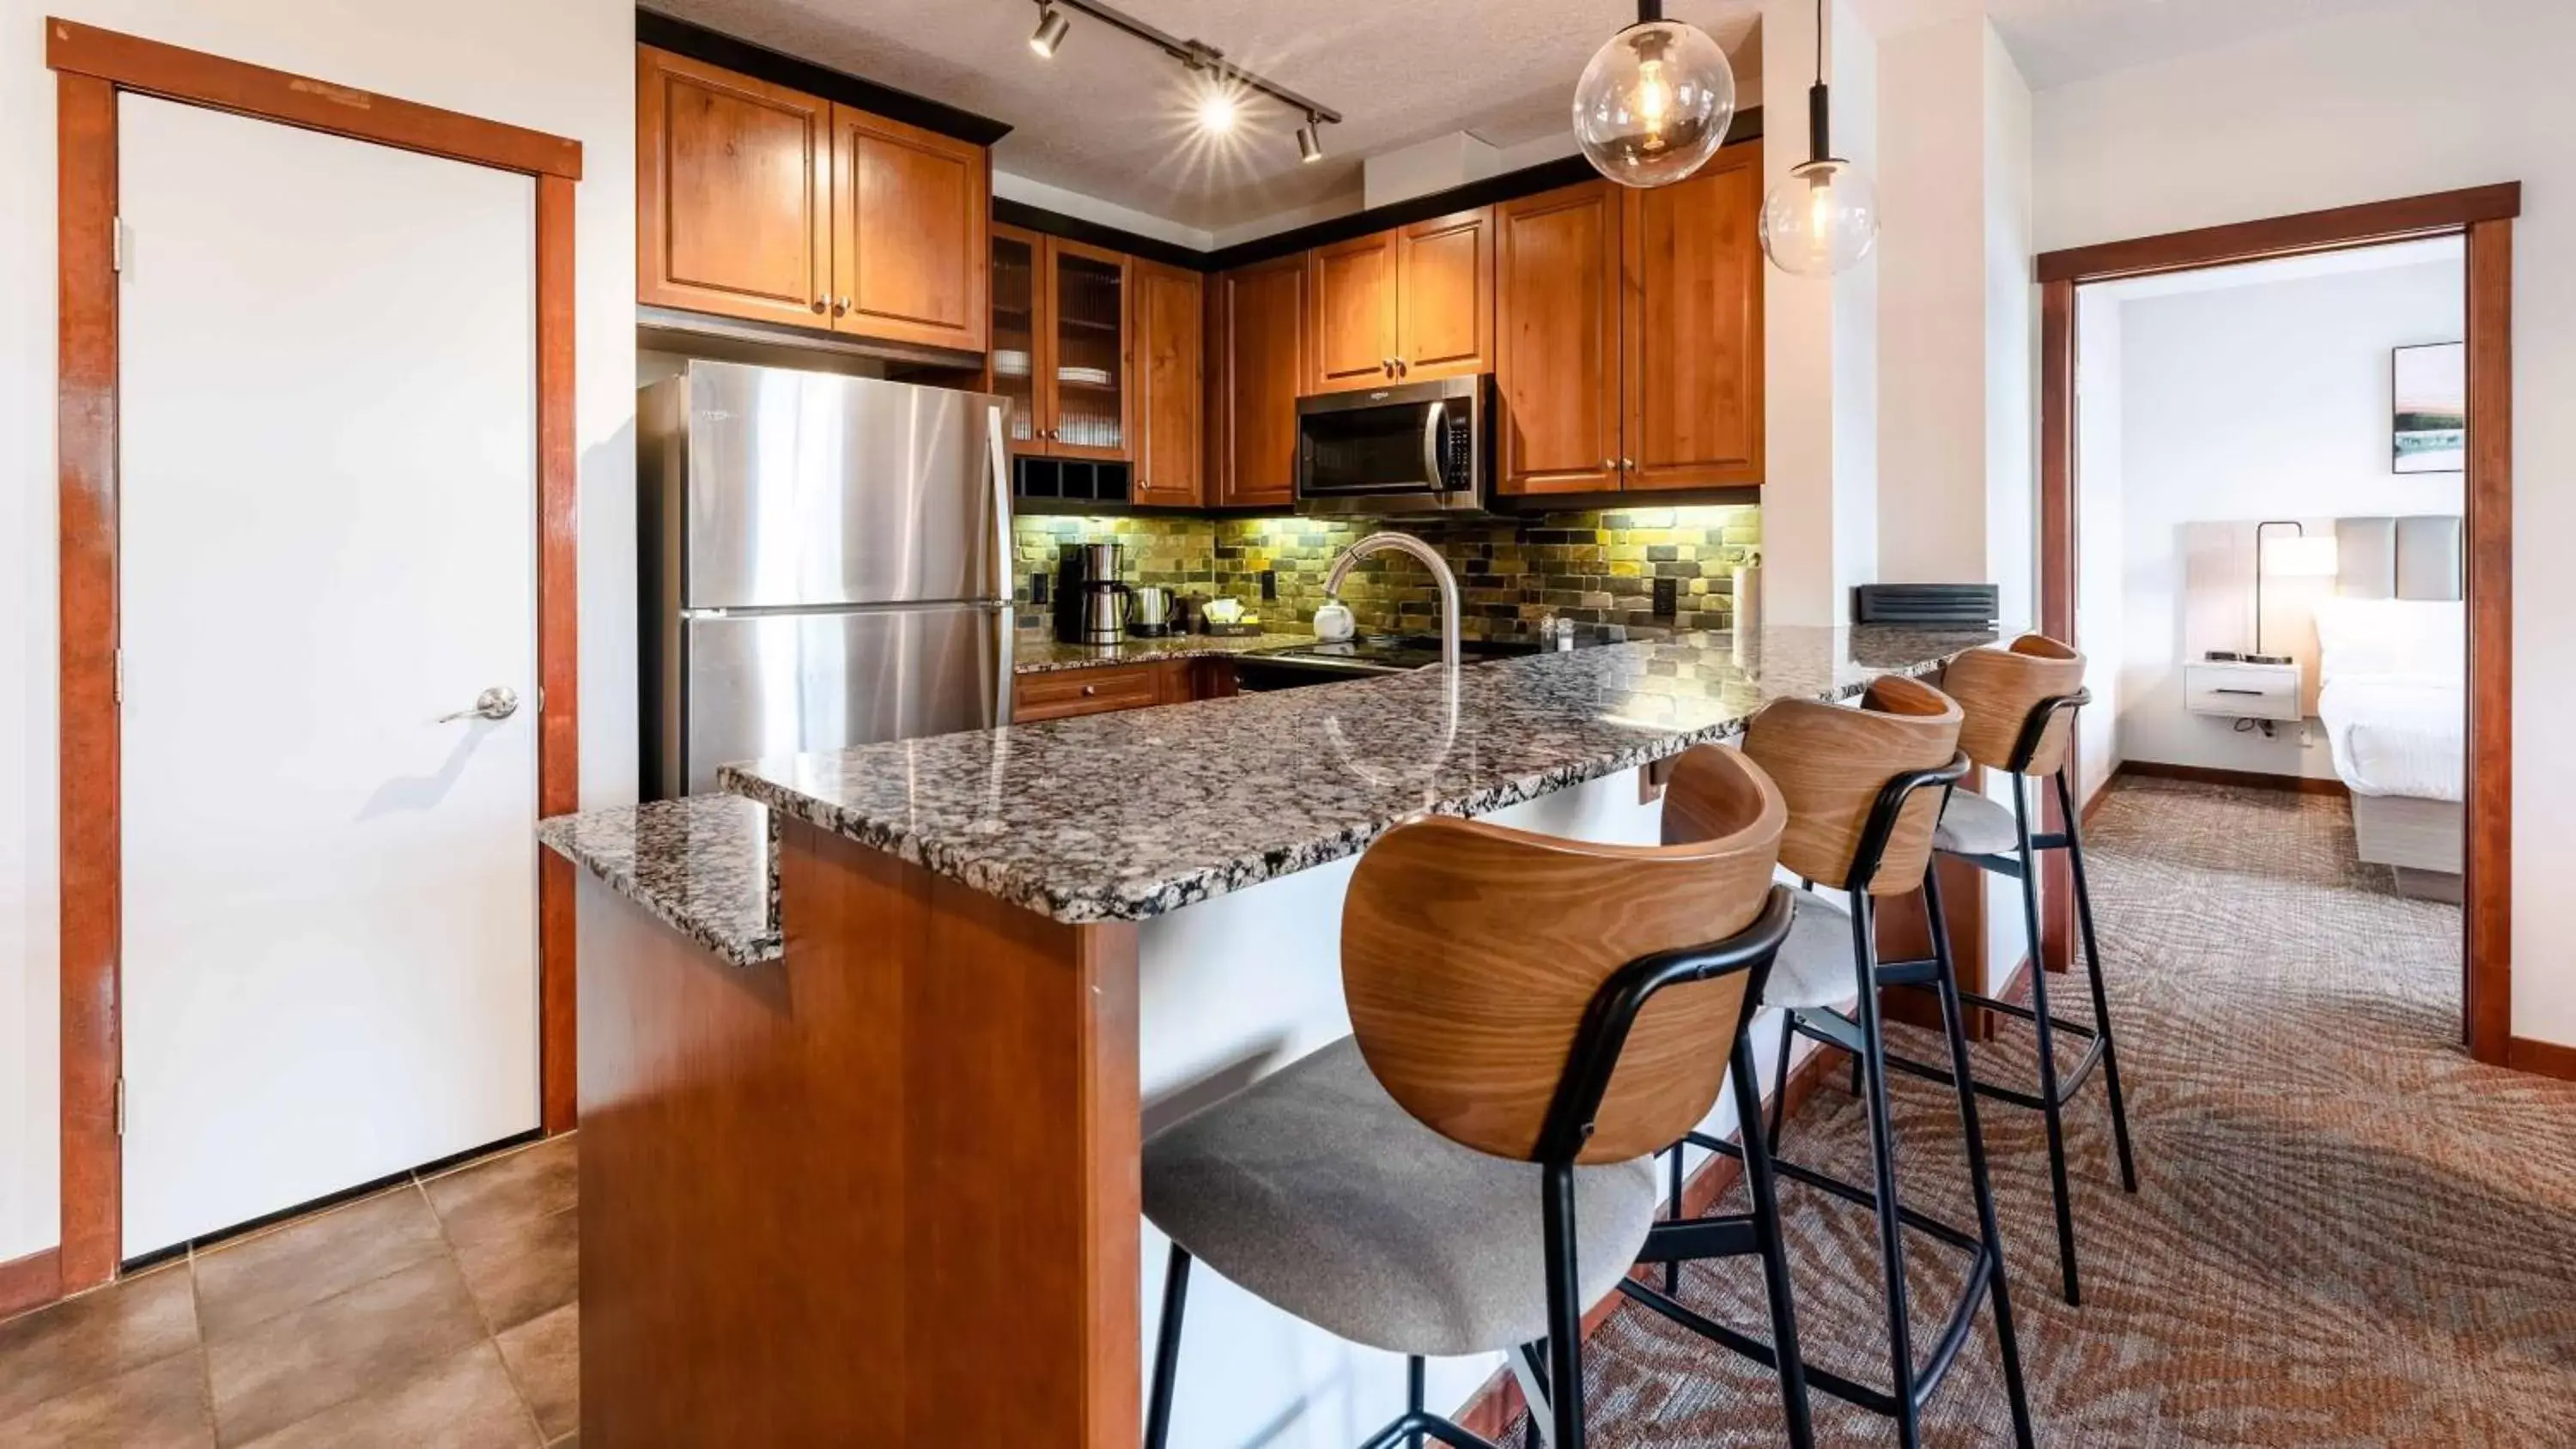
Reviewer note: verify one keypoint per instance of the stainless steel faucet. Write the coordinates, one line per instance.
(1406, 543)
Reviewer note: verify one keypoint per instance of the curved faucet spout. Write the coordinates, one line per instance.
(1429, 557)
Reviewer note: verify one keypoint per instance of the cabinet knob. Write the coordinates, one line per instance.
(1089, 690)
(1402, 367)
(841, 308)
(820, 305)
(1609, 465)
(1629, 464)
(1386, 365)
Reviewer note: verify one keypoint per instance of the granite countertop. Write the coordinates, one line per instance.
(1132, 815)
(702, 864)
(1039, 653)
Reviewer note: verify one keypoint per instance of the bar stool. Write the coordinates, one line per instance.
(2020, 702)
(1864, 789)
(1472, 1168)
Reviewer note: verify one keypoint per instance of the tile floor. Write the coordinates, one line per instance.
(440, 1312)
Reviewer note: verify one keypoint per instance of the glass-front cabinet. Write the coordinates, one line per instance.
(1062, 345)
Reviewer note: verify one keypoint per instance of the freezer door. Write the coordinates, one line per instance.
(778, 684)
(808, 490)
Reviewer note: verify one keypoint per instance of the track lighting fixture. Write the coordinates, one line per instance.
(1310, 141)
(1051, 28)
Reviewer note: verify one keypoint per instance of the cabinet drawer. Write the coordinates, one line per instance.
(2243, 691)
(1061, 693)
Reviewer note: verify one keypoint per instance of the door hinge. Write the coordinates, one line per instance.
(120, 1106)
(116, 243)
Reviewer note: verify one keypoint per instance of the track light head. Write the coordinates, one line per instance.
(1310, 141)
(1050, 32)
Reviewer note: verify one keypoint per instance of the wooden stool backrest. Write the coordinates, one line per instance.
(1997, 687)
(1831, 762)
(1471, 952)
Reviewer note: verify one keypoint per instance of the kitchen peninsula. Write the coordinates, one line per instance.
(879, 1177)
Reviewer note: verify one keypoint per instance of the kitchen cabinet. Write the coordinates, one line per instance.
(1556, 342)
(1104, 688)
(1628, 350)
(1062, 345)
(761, 202)
(1171, 360)
(1409, 304)
(1257, 343)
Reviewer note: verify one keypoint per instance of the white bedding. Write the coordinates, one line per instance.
(2397, 734)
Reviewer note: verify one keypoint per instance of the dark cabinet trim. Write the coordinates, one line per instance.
(759, 61)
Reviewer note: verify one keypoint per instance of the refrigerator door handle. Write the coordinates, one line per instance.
(1003, 562)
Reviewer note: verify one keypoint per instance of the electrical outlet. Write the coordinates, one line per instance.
(1041, 587)
(1668, 598)
(1269, 583)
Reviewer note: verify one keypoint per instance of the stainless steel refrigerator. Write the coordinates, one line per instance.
(826, 562)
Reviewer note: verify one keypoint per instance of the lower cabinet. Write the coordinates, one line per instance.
(1102, 688)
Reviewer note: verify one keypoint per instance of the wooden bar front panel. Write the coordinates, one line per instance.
(883, 1191)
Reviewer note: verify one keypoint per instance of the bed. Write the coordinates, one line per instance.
(2392, 661)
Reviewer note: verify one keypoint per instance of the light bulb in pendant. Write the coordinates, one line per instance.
(1821, 219)
(1654, 104)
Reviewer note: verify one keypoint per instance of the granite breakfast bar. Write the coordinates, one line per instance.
(880, 1177)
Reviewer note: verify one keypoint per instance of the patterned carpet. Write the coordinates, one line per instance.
(2347, 1233)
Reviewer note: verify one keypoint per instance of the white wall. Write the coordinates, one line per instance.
(2101, 619)
(566, 67)
(2393, 101)
(2254, 402)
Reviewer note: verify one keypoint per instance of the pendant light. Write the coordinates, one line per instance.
(1655, 102)
(1823, 216)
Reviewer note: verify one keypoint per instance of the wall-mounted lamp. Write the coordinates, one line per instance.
(2291, 556)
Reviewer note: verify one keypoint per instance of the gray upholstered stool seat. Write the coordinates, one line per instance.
(1314, 1190)
(1814, 967)
(1972, 824)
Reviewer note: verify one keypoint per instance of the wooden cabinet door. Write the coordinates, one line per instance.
(1019, 338)
(733, 193)
(909, 253)
(1170, 355)
(1444, 296)
(1693, 327)
(1556, 341)
(1087, 381)
(1351, 291)
(1262, 319)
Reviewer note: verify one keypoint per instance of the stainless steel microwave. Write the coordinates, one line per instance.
(1413, 447)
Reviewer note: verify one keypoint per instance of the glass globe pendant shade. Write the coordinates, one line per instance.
(1821, 219)
(1654, 104)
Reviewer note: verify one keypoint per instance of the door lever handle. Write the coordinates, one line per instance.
(498, 702)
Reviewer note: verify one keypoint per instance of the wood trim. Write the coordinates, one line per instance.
(135, 64)
(2487, 842)
(2060, 526)
(30, 1282)
(90, 842)
(2334, 229)
(2249, 779)
(558, 640)
(2546, 1058)
(91, 67)
(1499, 1402)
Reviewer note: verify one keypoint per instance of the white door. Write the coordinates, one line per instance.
(327, 527)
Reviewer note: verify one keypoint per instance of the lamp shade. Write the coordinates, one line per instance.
(2300, 557)
(1654, 104)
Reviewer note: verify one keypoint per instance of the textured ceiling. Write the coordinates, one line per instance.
(2058, 41)
(1110, 117)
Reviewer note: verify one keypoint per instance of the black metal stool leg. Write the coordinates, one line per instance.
(1882, 1133)
(1947, 987)
(1167, 1349)
(1413, 1395)
(1780, 1079)
(2101, 999)
(1775, 1252)
(2049, 1106)
(1564, 1308)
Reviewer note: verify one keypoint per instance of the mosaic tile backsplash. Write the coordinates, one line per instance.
(1597, 568)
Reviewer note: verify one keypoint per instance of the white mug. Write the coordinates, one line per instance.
(1333, 621)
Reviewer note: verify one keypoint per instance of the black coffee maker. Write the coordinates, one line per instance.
(1090, 594)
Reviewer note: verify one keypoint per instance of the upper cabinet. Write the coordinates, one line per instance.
(1629, 347)
(1171, 358)
(760, 202)
(733, 193)
(1405, 305)
(1256, 368)
(1063, 349)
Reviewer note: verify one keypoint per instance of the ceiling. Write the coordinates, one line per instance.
(1109, 116)
(2055, 42)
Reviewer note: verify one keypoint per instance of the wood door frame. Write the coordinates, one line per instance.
(2483, 216)
(91, 66)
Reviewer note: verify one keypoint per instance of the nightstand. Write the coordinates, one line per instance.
(2242, 691)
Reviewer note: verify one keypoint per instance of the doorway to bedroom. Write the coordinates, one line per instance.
(2271, 581)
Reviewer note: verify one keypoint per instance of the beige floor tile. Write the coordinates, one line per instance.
(161, 1405)
(95, 1337)
(506, 1193)
(544, 1354)
(370, 1340)
(462, 1402)
(254, 1279)
(518, 1270)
